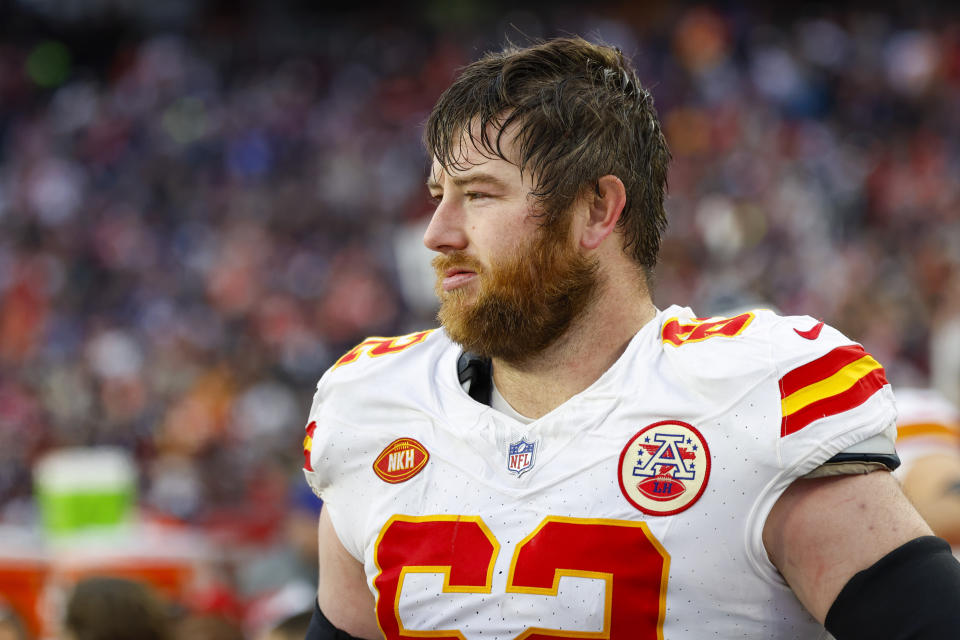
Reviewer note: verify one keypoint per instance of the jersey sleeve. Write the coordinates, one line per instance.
(807, 391)
(357, 405)
(334, 452)
(833, 394)
(803, 391)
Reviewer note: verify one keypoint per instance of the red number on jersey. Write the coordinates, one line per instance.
(375, 347)
(622, 553)
(460, 547)
(679, 334)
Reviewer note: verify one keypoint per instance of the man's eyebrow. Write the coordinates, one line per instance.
(462, 181)
(473, 178)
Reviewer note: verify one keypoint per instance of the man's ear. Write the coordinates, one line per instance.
(605, 203)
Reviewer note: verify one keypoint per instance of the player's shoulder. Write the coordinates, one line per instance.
(381, 373)
(379, 363)
(385, 357)
(797, 351)
(362, 392)
(755, 332)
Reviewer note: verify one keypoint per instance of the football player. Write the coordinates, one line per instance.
(562, 459)
(928, 443)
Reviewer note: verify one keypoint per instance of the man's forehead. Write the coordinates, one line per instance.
(472, 147)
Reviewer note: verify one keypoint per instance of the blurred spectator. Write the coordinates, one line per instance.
(207, 627)
(281, 581)
(11, 627)
(292, 628)
(106, 608)
(291, 562)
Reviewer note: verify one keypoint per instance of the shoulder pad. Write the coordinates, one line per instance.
(378, 370)
(377, 346)
(819, 371)
(718, 356)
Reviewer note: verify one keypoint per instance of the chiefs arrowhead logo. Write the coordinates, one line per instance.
(401, 460)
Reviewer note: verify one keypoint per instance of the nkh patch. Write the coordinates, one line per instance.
(521, 456)
(400, 460)
(664, 468)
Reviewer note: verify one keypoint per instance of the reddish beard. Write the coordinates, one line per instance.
(524, 303)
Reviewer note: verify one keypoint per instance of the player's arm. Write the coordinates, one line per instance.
(346, 606)
(928, 442)
(932, 484)
(861, 560)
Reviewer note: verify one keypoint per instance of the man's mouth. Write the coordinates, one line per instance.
(455, 278)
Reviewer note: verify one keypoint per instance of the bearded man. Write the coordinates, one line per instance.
(563, 459)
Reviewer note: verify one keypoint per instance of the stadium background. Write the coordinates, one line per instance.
(202, 204)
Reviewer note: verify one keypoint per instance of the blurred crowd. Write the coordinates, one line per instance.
(196, 221)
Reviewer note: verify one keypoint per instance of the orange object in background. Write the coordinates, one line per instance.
(37, 590)
(36, 579)
(22, 584)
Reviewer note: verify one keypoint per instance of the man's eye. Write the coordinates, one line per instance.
(475, 195)
(436, 198)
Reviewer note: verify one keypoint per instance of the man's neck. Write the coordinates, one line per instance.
(578, 358)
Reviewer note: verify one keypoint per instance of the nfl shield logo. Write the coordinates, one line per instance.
(520, 458)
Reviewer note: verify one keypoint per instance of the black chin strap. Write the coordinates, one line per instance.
(475, 370)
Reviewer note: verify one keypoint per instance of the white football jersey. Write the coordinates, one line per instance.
(632, 511)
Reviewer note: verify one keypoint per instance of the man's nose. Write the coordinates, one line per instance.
(445, 231)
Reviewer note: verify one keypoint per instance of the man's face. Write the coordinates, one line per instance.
(508, 287)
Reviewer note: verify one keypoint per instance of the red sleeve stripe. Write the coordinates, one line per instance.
(820, 369)
(854, 396)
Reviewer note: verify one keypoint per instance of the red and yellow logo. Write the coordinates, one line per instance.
(401, 460)
(376, 347)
